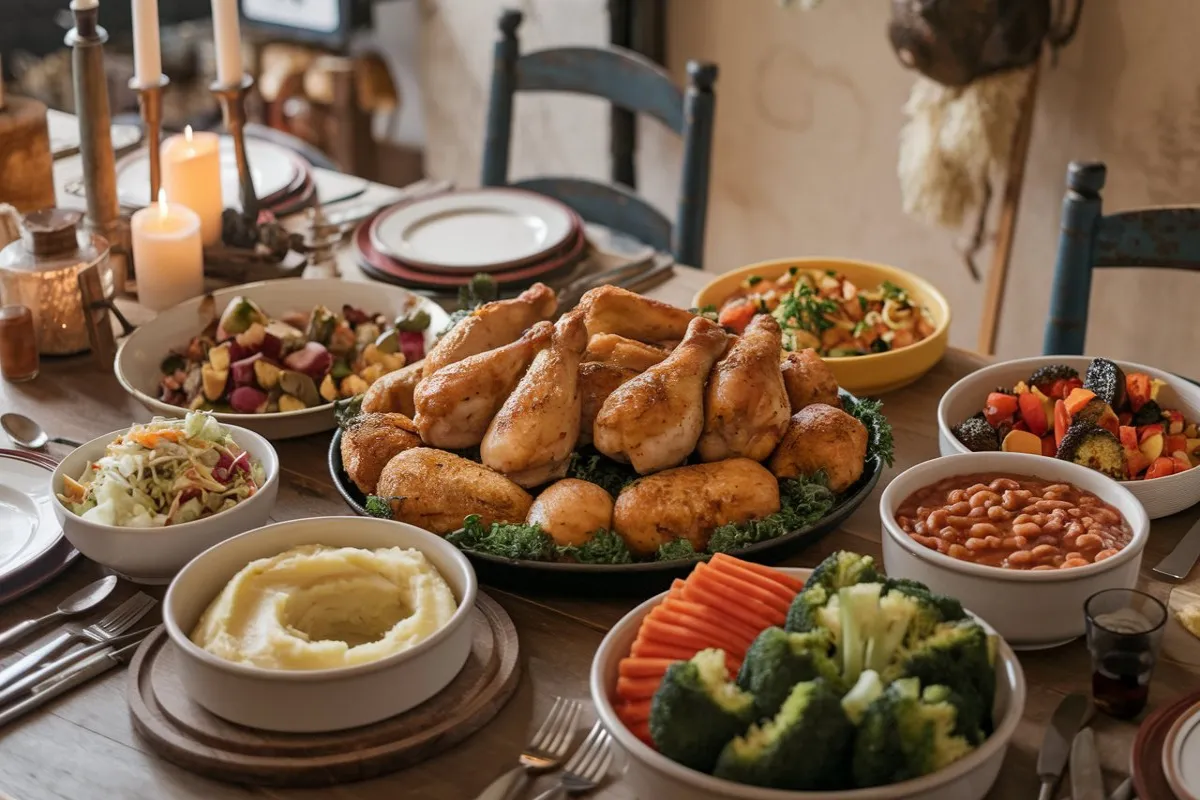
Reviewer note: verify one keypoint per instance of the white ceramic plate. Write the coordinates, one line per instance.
(1181, 755)
(273, 168)
(141, 354)
(28, 529)
(475, 230)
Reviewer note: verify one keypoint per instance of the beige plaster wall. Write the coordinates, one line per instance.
(804, 161)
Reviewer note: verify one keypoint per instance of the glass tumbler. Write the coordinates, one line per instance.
(1124, 633)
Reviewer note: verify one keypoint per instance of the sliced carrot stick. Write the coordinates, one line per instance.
(633, 712)
(651, 649)
(643, 667)
(676, 588)
(713, 616)
(744, 613)
(720, 637)
(741, 570)
(630, 689)
(674, 635)
(795, 584)
(642, 731)
(752, 589)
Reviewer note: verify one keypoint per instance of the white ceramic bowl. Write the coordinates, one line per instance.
(325, 699)
(1030, 609)
(139, 357)
(652, 775)
(1161, 496)
(154, 555)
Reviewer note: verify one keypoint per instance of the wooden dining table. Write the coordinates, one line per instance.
(83, 746)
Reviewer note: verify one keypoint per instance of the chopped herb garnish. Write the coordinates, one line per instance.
(594, 467)
(677, 550)
(380, 507)
(893, 292)
(754, 280)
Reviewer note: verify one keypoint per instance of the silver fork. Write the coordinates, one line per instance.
(113, 624)
(546, 751)
(586, 768)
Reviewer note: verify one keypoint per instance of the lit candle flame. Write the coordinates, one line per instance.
(187, 133)
(162, 203)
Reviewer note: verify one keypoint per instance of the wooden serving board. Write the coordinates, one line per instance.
(185, 734)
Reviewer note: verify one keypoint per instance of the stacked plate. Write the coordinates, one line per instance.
(32, 548)
(283, 180)
(1166, 753)
(438, 242)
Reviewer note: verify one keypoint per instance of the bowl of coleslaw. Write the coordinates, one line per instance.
(145, 501)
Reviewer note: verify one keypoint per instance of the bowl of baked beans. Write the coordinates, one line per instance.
(1022, 540)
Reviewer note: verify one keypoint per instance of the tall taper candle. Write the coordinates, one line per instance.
(228, 38)
(147, 52)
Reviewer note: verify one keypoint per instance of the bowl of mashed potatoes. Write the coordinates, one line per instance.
(321, 624)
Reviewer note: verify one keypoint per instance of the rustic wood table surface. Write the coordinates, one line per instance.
(82, 746)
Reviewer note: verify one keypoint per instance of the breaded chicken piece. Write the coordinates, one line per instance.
(597, 380)
(822, 437)
(492, 325)
(571, 511)
(618, 351)
(809, 380)
(611, 309)
(370, 441)
(435, 490)
(690, 502)
(393, 392)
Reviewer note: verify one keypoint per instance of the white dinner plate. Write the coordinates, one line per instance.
(473, 230)
(1181, 755)
(28, 529)
(273, 168)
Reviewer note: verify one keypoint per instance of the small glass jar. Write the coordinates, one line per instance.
(18, 344)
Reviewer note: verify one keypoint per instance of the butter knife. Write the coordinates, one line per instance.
(92, 666)
(1179, 562)
(1056, 744)
(1087, 783)
(21, 687)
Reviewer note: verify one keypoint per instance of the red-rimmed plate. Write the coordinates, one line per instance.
(1181, 754)
(1149, 779)
(32, 547)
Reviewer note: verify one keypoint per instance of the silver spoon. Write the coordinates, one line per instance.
(28, 434)
(83, 600)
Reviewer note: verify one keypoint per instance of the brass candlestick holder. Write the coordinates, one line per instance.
(150, 101)
(233, 109)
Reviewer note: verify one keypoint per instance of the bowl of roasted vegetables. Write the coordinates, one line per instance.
(273, 357)
(750, 682)
(1137, 424)
(879, 328)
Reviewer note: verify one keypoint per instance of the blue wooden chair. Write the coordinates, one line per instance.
(1153, 237)
(627, 80)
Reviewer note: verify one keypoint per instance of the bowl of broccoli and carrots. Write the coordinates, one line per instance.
(751, 682)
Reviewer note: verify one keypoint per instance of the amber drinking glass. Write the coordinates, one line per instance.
(1124, 633)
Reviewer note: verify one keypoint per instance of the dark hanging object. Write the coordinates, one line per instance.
(955, 42)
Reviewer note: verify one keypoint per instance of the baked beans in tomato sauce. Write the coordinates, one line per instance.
(1014, 522)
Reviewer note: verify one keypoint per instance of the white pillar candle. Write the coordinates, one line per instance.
(228, 38)
(191, 177)
(167, 254)
(147, 53)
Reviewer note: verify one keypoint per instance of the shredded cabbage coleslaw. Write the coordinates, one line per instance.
(166, 472)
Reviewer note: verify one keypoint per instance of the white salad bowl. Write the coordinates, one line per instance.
(1030, 609)
(154, 555)
(139, 358)
(1161, 496)
(322, 699)
(652, 775)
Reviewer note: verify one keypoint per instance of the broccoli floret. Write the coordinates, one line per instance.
(805, 611)
(856, 701)
(841, 569)
(951, 610)
(805, 746)
(778, 660)
(904, 735)
(963, 724)
(697, 710)
(875, 626)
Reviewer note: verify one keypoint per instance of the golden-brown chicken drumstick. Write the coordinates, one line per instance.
(746, 406)
(456, 404)
(654, 420)
(492, 325)
(611, 309)
(809, 380)
(532, 435)
(393, 392)
(618, 351)
(822, 437)
(370, 441)
(597, 380)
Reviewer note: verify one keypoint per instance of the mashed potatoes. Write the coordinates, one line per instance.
(317, 607)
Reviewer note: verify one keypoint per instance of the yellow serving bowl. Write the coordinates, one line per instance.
(870, 374)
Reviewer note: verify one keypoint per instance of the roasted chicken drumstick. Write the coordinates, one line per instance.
(492, 325)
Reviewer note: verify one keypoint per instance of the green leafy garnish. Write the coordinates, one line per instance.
(480, 289)
(677, 550)
(605, 547)
(344, 411)
(380, 507)
(803, 501)
(893, 292)
(879, 430)
(593, 467)
(519, 542)
(754, 280)
(803, 308)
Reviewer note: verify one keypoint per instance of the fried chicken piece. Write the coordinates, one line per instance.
(370, 441)
(393, 392)
(597, 380)
(654, 420)
(531, 437)
(746, 406)
(690, 502)
(809, 380)
(571, 511)
(435, 490)
(618, 351)
(492, 325)
(822, 437)
(456, 404)
(611, 309)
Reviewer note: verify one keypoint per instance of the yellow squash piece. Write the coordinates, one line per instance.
(1021, 442)
(213, 381)
(289, 403)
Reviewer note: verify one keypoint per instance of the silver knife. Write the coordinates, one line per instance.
(1087, 782)
(1056, 744)
(1124, 791)
(1179, 562)
(84, 671)
(22, 686)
